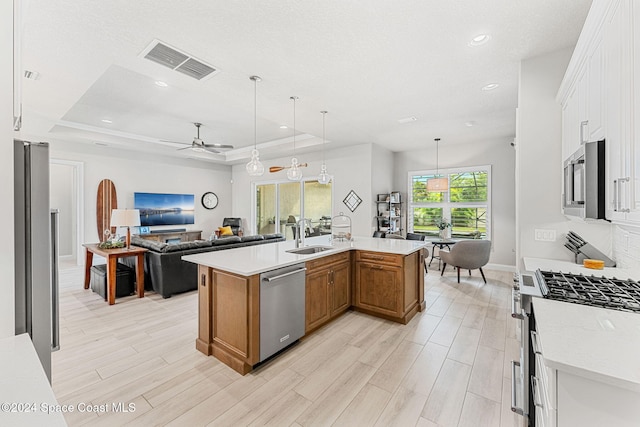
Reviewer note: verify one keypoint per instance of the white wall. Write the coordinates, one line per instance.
(382, 181)
(501, 156)
(131, 173)
(539, 151)
(349, 166)
(7, 320)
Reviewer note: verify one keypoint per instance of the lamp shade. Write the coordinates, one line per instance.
(438, 185)
(125, 217)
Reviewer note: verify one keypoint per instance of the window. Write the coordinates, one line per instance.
(467, 204)
(278, 206)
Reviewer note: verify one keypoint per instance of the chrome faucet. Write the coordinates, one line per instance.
(301, 231)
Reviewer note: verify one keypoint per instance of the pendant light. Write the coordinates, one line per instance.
(294, 173)
(255, 167)
(437, 184)
(324, 177)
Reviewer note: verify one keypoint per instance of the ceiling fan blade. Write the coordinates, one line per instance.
(218, 146)
(184, 148)
(175, 142)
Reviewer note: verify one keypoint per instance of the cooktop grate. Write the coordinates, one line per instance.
(594, 291)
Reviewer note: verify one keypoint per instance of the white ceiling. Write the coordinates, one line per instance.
(369, 63)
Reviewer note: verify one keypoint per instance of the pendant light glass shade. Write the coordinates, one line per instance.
(255, 167)
(324, 177)
(294, 173)
(438, 184)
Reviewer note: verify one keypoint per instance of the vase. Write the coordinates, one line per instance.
(443, 234)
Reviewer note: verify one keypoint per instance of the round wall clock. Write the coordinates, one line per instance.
(209, 200)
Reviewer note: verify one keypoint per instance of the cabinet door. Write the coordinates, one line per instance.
(634, 215)
(341, 288)
(379, 288)
(595, 83)
(571, 124)
(617, 108)
(317, 298)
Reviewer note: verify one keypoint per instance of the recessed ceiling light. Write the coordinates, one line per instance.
(470, 123)
(101, 144)
(106, 121)
(284, 127)
(479, 40)
(490, 86)
(161, 83)
(407, 120)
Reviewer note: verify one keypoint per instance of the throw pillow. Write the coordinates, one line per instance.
(225, 231)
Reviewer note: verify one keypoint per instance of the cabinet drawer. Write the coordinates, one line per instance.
(379, 258)
(327, 260)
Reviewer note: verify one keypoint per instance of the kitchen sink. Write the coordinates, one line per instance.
(308, 250)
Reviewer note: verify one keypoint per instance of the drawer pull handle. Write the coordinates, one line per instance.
(203, 280)
(515, 374)
(535, 387)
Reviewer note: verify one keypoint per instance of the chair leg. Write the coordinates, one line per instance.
(469, 272)
(482, 272)
(444, 265)
(425, 267)
(458, 274)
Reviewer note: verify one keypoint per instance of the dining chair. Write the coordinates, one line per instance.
(468, 255)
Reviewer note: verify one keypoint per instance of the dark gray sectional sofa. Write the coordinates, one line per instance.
(167, 274)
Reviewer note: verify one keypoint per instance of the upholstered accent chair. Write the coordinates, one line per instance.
(468, 255)
(416, 236)
(380, 234)
(234, 223)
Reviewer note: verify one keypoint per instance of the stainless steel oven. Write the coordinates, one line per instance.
(585, 181)
(525, 288)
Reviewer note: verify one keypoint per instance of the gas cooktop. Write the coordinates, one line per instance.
(594, 291)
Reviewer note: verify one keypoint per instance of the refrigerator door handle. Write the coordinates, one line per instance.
(55, 321)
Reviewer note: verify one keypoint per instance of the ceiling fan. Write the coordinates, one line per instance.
(199, 145)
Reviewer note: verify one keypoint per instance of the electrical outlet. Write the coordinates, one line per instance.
(542, 235)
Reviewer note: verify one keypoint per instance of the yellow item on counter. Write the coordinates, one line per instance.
(595, 264)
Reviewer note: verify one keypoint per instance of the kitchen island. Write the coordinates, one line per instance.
(380, 277)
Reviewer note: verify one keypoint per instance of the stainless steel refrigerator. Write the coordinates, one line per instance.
(36, 250)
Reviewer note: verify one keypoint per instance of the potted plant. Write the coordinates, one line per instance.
(442, 225)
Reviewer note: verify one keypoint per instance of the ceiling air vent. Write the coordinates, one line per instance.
(170, 57)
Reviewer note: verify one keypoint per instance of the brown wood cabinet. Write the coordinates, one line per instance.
(388, 285)
(184, 236)
(229, 318)
(328, 289)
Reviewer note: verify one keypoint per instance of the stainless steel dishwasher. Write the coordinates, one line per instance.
(282, 300)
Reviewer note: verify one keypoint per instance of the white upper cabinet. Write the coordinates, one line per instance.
(600, 97)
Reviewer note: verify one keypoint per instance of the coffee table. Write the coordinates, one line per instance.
(112, 255)
(441, 244)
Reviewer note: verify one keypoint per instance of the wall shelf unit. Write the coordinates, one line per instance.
(389, 213)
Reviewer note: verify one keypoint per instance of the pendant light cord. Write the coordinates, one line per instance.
(324, 113)
(437, 157)
(255, 114)
(294, 124)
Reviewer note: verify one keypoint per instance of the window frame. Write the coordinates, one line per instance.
(447, 205)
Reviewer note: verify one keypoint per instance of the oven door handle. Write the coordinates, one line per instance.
(515, 299)
(515, 370)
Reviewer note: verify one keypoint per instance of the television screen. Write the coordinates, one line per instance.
(164, 209)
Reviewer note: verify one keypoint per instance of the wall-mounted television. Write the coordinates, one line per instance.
(164, 209)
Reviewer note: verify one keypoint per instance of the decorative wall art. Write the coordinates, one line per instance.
(352, 201)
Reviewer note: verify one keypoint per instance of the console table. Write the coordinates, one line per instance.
(112, 255)
(184, 236)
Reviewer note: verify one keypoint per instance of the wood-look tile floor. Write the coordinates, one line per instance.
(450, 366)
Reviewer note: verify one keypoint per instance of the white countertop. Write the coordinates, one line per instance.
(595, 343)
(250, 260)
(24, 386)
(532, 264)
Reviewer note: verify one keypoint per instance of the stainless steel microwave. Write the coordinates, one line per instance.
(585, 182)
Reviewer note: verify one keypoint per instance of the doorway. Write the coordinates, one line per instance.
(66, 192)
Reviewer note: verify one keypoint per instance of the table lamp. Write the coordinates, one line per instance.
(125, 218)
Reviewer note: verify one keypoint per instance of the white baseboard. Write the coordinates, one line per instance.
(501, 267)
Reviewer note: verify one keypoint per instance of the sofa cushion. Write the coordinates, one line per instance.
(186, 245)
(251, 238)
(148, 244)
(226, 240)
(273, 236)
